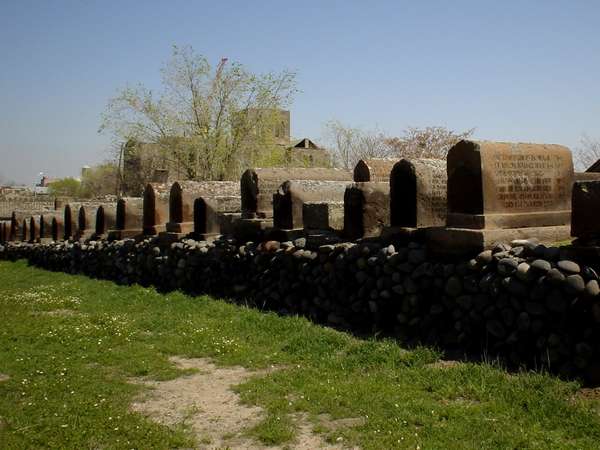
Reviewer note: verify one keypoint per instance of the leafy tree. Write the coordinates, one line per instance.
(211, 121)
(99, 181)
(65, 187)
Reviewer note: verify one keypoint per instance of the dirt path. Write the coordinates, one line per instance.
(206, 403)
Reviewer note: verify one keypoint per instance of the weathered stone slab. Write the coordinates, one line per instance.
(129, 218)
(183, 195)
(251, 229)
(215, 215)
(106, 219)
(34, 229)
(508, 185)
(585, 218)
(366, 209)
(24, 230)
(86, 222)
(5, 231)
(374, 169)
(46, 225)
(156, 208)
(292, 194)
(259, 185)
(418, 193)
(323, 216)
(58, 228)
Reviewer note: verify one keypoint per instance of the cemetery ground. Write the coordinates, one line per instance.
(90, 364)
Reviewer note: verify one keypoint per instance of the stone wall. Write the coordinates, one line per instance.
(533, 306)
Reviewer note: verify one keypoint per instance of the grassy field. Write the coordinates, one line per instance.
(69, 347)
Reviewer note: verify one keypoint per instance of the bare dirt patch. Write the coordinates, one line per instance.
(205, 402)
(4, 377)
(443, 364)
(59, 313)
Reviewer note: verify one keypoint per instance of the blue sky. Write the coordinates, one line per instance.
(515, 70)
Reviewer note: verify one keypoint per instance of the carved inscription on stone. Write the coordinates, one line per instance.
(529, 181)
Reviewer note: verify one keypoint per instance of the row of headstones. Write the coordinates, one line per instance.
(484, 193)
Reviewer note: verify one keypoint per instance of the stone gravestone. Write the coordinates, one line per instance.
(418, 193)
(215, 215)
(288, 201)
(34, 228)
(259, 185)
(257, 189)
(24, 230)
(375, 169)
(129, 219)
(46, 226)
(182, 197)
(156, 208)
(106, 219)
(585, 220)
(86, 221)
(499, 191)
(366, 209)
(58, 229)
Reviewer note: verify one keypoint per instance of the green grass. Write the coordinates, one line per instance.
(68, 375)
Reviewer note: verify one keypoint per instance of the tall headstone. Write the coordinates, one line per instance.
(129, 219)
(499, 191)
(106, 219)
(156, 208)
(366, 209)
(418, 193)
(34, 228)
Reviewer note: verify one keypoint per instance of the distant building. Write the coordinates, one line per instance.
(151, 162)
(305, 153)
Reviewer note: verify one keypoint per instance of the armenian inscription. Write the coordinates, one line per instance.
(528, 181)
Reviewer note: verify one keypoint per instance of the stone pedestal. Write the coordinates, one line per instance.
(251, 229)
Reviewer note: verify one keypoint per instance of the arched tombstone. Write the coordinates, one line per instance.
(34, 229)
(288, 201)
(156, 208)
(16, 222)
(24, 230)
(70, 220)
(183, 195)
(366, 209)
(58, 229)
(418, 193)
(86, 221)
(106, 218)
(129, 218)
(500, 191)
(46, 226)
(258, 186)
(374, 169)
(215, 215)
